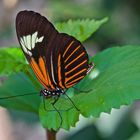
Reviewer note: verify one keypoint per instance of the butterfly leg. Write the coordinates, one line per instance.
(44, 104)
(53, 104)
(72, 102)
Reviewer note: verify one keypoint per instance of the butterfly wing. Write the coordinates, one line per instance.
(57, 59)
(36, 36)
(74, 61)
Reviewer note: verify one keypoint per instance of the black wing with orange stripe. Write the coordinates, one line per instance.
(36, 36)
(57, 59)
(74, 60)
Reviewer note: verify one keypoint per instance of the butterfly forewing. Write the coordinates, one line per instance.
(36, 36)
(57, 59)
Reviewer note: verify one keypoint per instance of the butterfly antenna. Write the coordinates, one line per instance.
(14, 96)
(30, 76)
(72, 102)
(44, 104)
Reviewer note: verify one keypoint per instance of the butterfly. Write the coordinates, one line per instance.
(58, 60)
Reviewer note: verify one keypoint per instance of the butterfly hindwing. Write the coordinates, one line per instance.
(74, 61)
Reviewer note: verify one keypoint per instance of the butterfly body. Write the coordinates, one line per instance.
(47, 94)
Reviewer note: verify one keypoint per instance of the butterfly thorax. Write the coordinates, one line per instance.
(49, 93)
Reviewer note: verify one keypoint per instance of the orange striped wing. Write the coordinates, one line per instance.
(41, 73)
(74, 60)
(36, 36)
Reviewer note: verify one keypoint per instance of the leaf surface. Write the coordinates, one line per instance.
(80, 29)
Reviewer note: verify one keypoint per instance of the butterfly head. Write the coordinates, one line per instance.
(46, 93)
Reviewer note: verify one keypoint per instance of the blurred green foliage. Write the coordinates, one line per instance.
(80, 29)
(124, 18)
(126, 129)
(11, 63)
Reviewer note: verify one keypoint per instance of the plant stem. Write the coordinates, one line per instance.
(51, 135)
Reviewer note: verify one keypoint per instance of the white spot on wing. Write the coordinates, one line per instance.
(39, 39)
(34, 36)
(29, 53)
(28, 42)
(24, 40)
(24, 47)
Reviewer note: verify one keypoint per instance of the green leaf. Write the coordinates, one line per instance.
(114, 81)
(80, 29)
(11, 60)
(17, 85)
(50, 118)
(117, 81)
